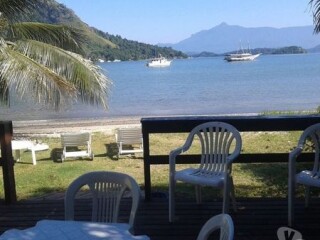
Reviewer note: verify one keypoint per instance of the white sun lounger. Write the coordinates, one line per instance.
(69, 140)
(126, 137)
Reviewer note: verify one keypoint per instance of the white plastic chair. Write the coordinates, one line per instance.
(220, 145)
(107, 189)
(69, 140)
(310, 138)
(222, 222)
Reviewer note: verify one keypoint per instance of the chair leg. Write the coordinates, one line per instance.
(307, 196)
(33, 154)
(198, 194)
(291, 200)
(119, 149)
(226, 197)
(232, 194)
(172, 187)
(18, 156)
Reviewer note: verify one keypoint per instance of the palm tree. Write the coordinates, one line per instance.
(36, 60)
(315, 5)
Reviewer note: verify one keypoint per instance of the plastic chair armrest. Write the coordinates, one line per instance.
(176, 152)
(292, 166)
(294, 154)
(172, 158)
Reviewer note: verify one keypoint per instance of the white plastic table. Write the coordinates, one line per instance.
(63, 230)
(18, 145)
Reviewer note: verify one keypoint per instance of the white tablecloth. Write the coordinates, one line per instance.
(76, 230)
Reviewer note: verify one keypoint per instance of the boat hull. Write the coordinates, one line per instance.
(241, 57)
(159, 62)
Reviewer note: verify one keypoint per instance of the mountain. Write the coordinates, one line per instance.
(315, 49)
(99, 45)
(50, 11)
(225, 38)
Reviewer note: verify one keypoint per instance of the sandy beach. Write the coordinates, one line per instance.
(55, 127)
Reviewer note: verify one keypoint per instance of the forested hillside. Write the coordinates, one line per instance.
(98, 44)
(133, 50)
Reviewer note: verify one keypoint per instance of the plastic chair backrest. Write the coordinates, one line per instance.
(222, 222)
(107, 189)
(219, 142)
(312, 134)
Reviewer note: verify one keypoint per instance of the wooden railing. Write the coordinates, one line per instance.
(242, 123)
(6, 162)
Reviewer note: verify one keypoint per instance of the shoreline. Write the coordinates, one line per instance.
(55, 127)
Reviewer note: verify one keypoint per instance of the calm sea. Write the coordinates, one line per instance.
(198, 86)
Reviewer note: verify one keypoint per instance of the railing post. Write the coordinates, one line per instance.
(146, 156)
(7, 162)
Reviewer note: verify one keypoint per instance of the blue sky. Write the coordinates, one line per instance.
(170, 21)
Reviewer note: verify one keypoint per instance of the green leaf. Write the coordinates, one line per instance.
(92, 85)
(26, 77)
(57, 35)
(315, 5)
(35, 61)
(12, 9)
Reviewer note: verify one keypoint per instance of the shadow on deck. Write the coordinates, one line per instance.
(255, 219)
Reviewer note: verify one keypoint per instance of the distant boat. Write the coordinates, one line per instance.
(241, 57)
(159, 62)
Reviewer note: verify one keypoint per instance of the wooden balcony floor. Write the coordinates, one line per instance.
(255, 219)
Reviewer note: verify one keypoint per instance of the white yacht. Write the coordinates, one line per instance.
(159, 62)
(241, 57)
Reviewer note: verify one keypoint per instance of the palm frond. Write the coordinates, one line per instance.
(58, 35)
(4, 91)
(26, 77)
(3, 24)
(315, 5)
(11, 9)
(4, 88)
(92, 85)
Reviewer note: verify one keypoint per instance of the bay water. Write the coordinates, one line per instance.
(198, 86)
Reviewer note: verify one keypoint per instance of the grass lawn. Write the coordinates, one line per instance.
(251, 180)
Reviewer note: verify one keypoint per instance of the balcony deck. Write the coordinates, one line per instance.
(255, 219)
